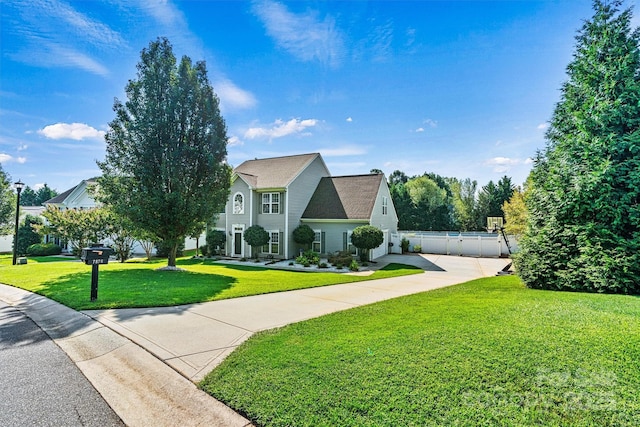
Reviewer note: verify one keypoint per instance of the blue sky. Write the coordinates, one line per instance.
(459, 88)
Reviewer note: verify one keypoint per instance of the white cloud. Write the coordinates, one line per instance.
(502, 164)
(164, 12)
(38, 186)
(303, 35)
(75, 131)
(543, 126)
(56, 35)
(232, 96)
(6, 158)
(420, 130)
(234, 141)
(430, 122)
(281, 128)
(349, 119)
(529, 161)
(22, 147)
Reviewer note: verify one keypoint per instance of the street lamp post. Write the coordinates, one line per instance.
(18, 185)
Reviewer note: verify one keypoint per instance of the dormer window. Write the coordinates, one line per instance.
(238, 204)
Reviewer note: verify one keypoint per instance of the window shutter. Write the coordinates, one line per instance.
(323, 249)
(344, 241)
(280, 243)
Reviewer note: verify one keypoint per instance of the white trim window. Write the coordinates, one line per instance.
(271, 203)
(238, 204)
(273, 245)
(385, 205)
(316, 245)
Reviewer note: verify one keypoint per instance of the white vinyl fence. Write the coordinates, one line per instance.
(454, 243)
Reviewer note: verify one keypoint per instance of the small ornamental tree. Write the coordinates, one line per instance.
(256, 236)
(304, 235)
(78, 227)
(366, 237)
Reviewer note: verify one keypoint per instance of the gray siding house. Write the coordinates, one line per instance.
(281, 193)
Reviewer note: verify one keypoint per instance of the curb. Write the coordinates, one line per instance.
(142, 390)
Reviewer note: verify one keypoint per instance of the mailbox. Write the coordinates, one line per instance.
(96, 255)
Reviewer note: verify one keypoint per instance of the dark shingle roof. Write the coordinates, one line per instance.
(275, 172)
(344, 197)
(60, 197)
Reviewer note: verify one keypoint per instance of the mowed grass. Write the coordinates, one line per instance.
(138, 284)
(485, 353)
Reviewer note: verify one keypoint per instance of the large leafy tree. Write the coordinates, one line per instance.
(7, 204)
(165, 164)
(430, 197)
(464, 203)
(584, 203)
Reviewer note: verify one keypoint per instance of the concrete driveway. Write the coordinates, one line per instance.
(195, 338)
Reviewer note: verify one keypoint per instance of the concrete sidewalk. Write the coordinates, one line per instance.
(195, 338)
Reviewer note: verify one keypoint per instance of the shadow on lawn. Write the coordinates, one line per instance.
(136, 288)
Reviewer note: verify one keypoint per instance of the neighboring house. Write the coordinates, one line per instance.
(80, 198)
(281, 193)
(77, 197)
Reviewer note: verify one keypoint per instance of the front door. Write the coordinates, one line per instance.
(238, 247)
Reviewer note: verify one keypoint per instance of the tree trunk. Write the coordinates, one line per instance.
(171, 257)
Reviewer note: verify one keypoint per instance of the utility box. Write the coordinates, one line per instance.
(96, 255)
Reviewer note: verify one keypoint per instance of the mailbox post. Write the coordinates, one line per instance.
(94, 256)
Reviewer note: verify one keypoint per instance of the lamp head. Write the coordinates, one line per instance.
(19, 185)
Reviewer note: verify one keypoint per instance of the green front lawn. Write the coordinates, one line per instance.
(137, 284)
(485, 353)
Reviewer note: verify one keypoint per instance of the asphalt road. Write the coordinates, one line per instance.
(39, 384)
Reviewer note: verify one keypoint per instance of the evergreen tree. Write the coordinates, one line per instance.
(7, 204)
(584, 204)
(27, 233)
(28, 197)
(43, 194)
(165, 166)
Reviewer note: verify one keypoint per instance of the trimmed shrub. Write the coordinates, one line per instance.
(303, 235)
(215, 240)
(365, 238)
(354, 265)
(417, 249)
(341, 258)
(44, 249)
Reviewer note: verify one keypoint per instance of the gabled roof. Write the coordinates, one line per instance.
(62, 198)
(344, 197)
(275, 172)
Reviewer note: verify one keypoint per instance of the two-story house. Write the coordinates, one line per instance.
(281, 193)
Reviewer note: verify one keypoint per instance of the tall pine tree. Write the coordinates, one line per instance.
(584, 204)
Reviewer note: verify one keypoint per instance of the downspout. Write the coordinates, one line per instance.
(286, 223)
